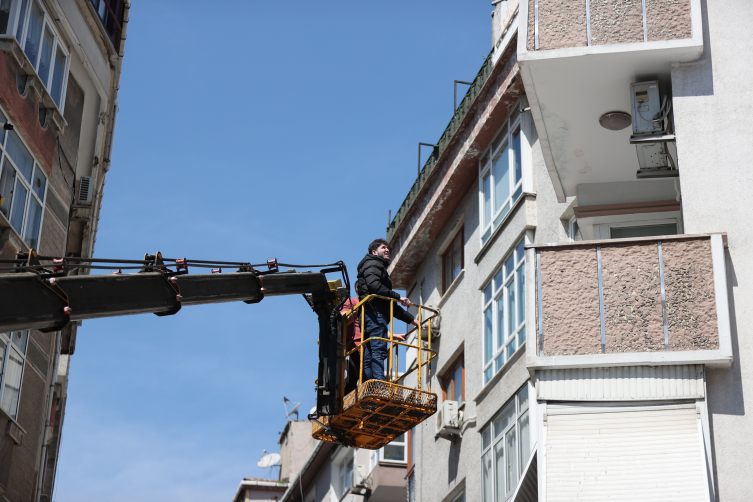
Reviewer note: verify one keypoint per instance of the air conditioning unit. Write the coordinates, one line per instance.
(85, 189)
(358, 477)
(448, 420)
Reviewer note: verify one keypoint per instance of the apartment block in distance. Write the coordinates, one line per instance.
(582, 226)
(60, 64)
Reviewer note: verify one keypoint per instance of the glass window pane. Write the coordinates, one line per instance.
(19, 205)
(458, 381)
(499, 361)
(501, 170)
(488, 349)
(523, 398)
(457, 262)
(20, 154)
(394, 452)
(499, 470)
(511, 470)
(4, 16)
(46, 58)
(56, 89)
(511, 309)
(31, 234)
(643, 231)
(488, 374)
(505, 418)
(487, 200)
(511, 348)
(500, 321)
(517, 193)
(21, 19)
(486, 236)
(486, 477)
(487, 294)
(39, 183)
(525, 439)
(7, 178)
(520, 251)
(486, 436)
(517, 157)
(34, 33)
(12, 387)
(509, 265)
(19, 339)
(498, 280)
(521, 294)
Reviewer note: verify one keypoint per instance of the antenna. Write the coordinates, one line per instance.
(285, 402)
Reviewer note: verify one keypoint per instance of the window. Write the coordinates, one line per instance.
(346, 471)
(453, 383)
(504, 312)
(501, 175)
(39, 40)
(452, 261)
(505, 448)
(573, 231)
(110, 12)
(23, 187)
(395, 452)
(12, 359)
(412, 488)
(643, 231)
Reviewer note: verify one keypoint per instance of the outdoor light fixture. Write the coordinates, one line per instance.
(615, 121)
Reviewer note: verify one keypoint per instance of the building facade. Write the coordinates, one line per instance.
(60, 64)
(589, 260)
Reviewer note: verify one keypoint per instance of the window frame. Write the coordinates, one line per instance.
(342, 457)
(17, 175)
(376, 457)
(603, 230)
(7, 338)
(21, 19)
(492, 293)
(448, 378)
(503, 139)
(459, 237)
(521, 411)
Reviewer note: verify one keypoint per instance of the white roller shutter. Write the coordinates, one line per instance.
(651, 453)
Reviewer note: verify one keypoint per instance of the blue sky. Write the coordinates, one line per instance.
(248, 131)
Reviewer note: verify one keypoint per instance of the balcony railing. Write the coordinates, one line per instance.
(656, 300)
(110, 12)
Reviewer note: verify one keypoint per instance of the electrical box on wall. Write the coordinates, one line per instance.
(646, 106)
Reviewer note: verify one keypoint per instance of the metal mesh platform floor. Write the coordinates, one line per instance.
(376, 413)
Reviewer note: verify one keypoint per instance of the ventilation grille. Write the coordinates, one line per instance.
(85, 189)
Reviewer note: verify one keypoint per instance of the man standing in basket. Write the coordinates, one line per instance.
(373, 279)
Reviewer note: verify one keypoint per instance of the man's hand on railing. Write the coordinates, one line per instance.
(406, 302)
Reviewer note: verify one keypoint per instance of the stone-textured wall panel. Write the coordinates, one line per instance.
(633, 320)
(691, 305)
(616, 21)
(570, 302)
(562, 24)
(668, 20)
(531, 25)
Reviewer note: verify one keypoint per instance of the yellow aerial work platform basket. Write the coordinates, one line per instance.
(378, 411)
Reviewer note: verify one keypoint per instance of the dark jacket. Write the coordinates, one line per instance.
(373, 279)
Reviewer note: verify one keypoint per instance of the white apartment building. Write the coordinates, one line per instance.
(585, 241)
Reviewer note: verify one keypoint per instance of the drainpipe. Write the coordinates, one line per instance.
(46, 431)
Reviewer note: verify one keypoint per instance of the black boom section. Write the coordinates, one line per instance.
(33, 301)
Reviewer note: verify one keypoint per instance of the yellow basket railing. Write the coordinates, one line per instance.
(424, 356)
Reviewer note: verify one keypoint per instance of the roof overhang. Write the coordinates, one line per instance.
(456, 172)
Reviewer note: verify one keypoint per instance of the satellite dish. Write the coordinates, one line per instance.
(269, 460)
(294, 410)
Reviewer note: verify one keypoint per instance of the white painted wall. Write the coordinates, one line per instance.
(713, 103)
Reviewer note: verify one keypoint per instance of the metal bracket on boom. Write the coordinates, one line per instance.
(155, 263)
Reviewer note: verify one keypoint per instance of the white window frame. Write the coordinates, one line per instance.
(573, 230)
(21, 353)
(18, 18)
(7, 206)
(342, 456)
(603, 230)
(495, 291)
(502, 140)
(522, 410)
(376, 457)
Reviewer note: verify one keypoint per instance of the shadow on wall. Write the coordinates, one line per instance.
(453, 460)
(696, 78)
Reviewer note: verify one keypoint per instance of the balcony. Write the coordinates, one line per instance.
(577, 61)
(625, 302)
